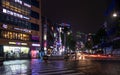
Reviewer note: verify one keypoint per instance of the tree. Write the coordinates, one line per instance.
(101, 38)
(80, 41)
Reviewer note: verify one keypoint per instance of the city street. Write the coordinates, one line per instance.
(60, 67)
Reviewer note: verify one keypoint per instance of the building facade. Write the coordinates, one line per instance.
(48, 37)
(20, 28)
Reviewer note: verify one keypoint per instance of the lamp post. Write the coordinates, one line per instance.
(115, 15)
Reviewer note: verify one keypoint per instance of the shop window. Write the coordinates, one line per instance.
(7, 35)
(10, 35)
(14, 35)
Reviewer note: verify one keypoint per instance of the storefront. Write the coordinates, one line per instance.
(12, 52)
(35, 48)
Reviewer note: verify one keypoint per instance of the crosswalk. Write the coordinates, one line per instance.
(52, 70)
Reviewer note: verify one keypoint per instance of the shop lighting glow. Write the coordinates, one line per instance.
(23, 43)
(45, 37)
(12, 42)
(5, 26)
(17, 43)
(35, 44)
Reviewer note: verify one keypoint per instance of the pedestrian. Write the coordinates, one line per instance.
(45, 58)
(66, 57)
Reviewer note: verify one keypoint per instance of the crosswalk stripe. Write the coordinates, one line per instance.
(57, 70)
(60, 72)
(81, 73)
(46, 70)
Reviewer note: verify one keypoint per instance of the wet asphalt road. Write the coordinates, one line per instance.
(60, 67)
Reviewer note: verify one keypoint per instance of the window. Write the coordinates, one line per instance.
(35, 3)
(18, 22)
(35, 38)
(34, 14)
(15, 35)
(27, 1)
(34, 27)
(7, 18)
(14, 8)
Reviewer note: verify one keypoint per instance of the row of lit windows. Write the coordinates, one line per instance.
(15, 14)
(14, 21)
(16, 7)
(18, 22)
(15, 36)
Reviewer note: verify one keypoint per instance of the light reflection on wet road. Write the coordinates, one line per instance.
(60, 67)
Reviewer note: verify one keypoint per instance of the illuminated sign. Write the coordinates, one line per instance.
(15, 14)
(45, 36)
(12, 42)
(20, 2)
(25, 4)
(5, 26)
(17, 43)
(23, 43)
(35, 44)
(25, 30)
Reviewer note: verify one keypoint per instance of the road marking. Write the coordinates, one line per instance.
(50, 70)
(81, 73)
(60, 72)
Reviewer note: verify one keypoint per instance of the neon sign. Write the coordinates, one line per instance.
(35, 44)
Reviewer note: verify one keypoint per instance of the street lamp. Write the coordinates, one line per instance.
(115, 14)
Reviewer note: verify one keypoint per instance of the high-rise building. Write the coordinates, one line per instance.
(20, 28)
(48, 36)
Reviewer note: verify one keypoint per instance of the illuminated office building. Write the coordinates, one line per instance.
(20, 28)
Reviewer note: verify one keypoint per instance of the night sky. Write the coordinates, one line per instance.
(83, 15)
